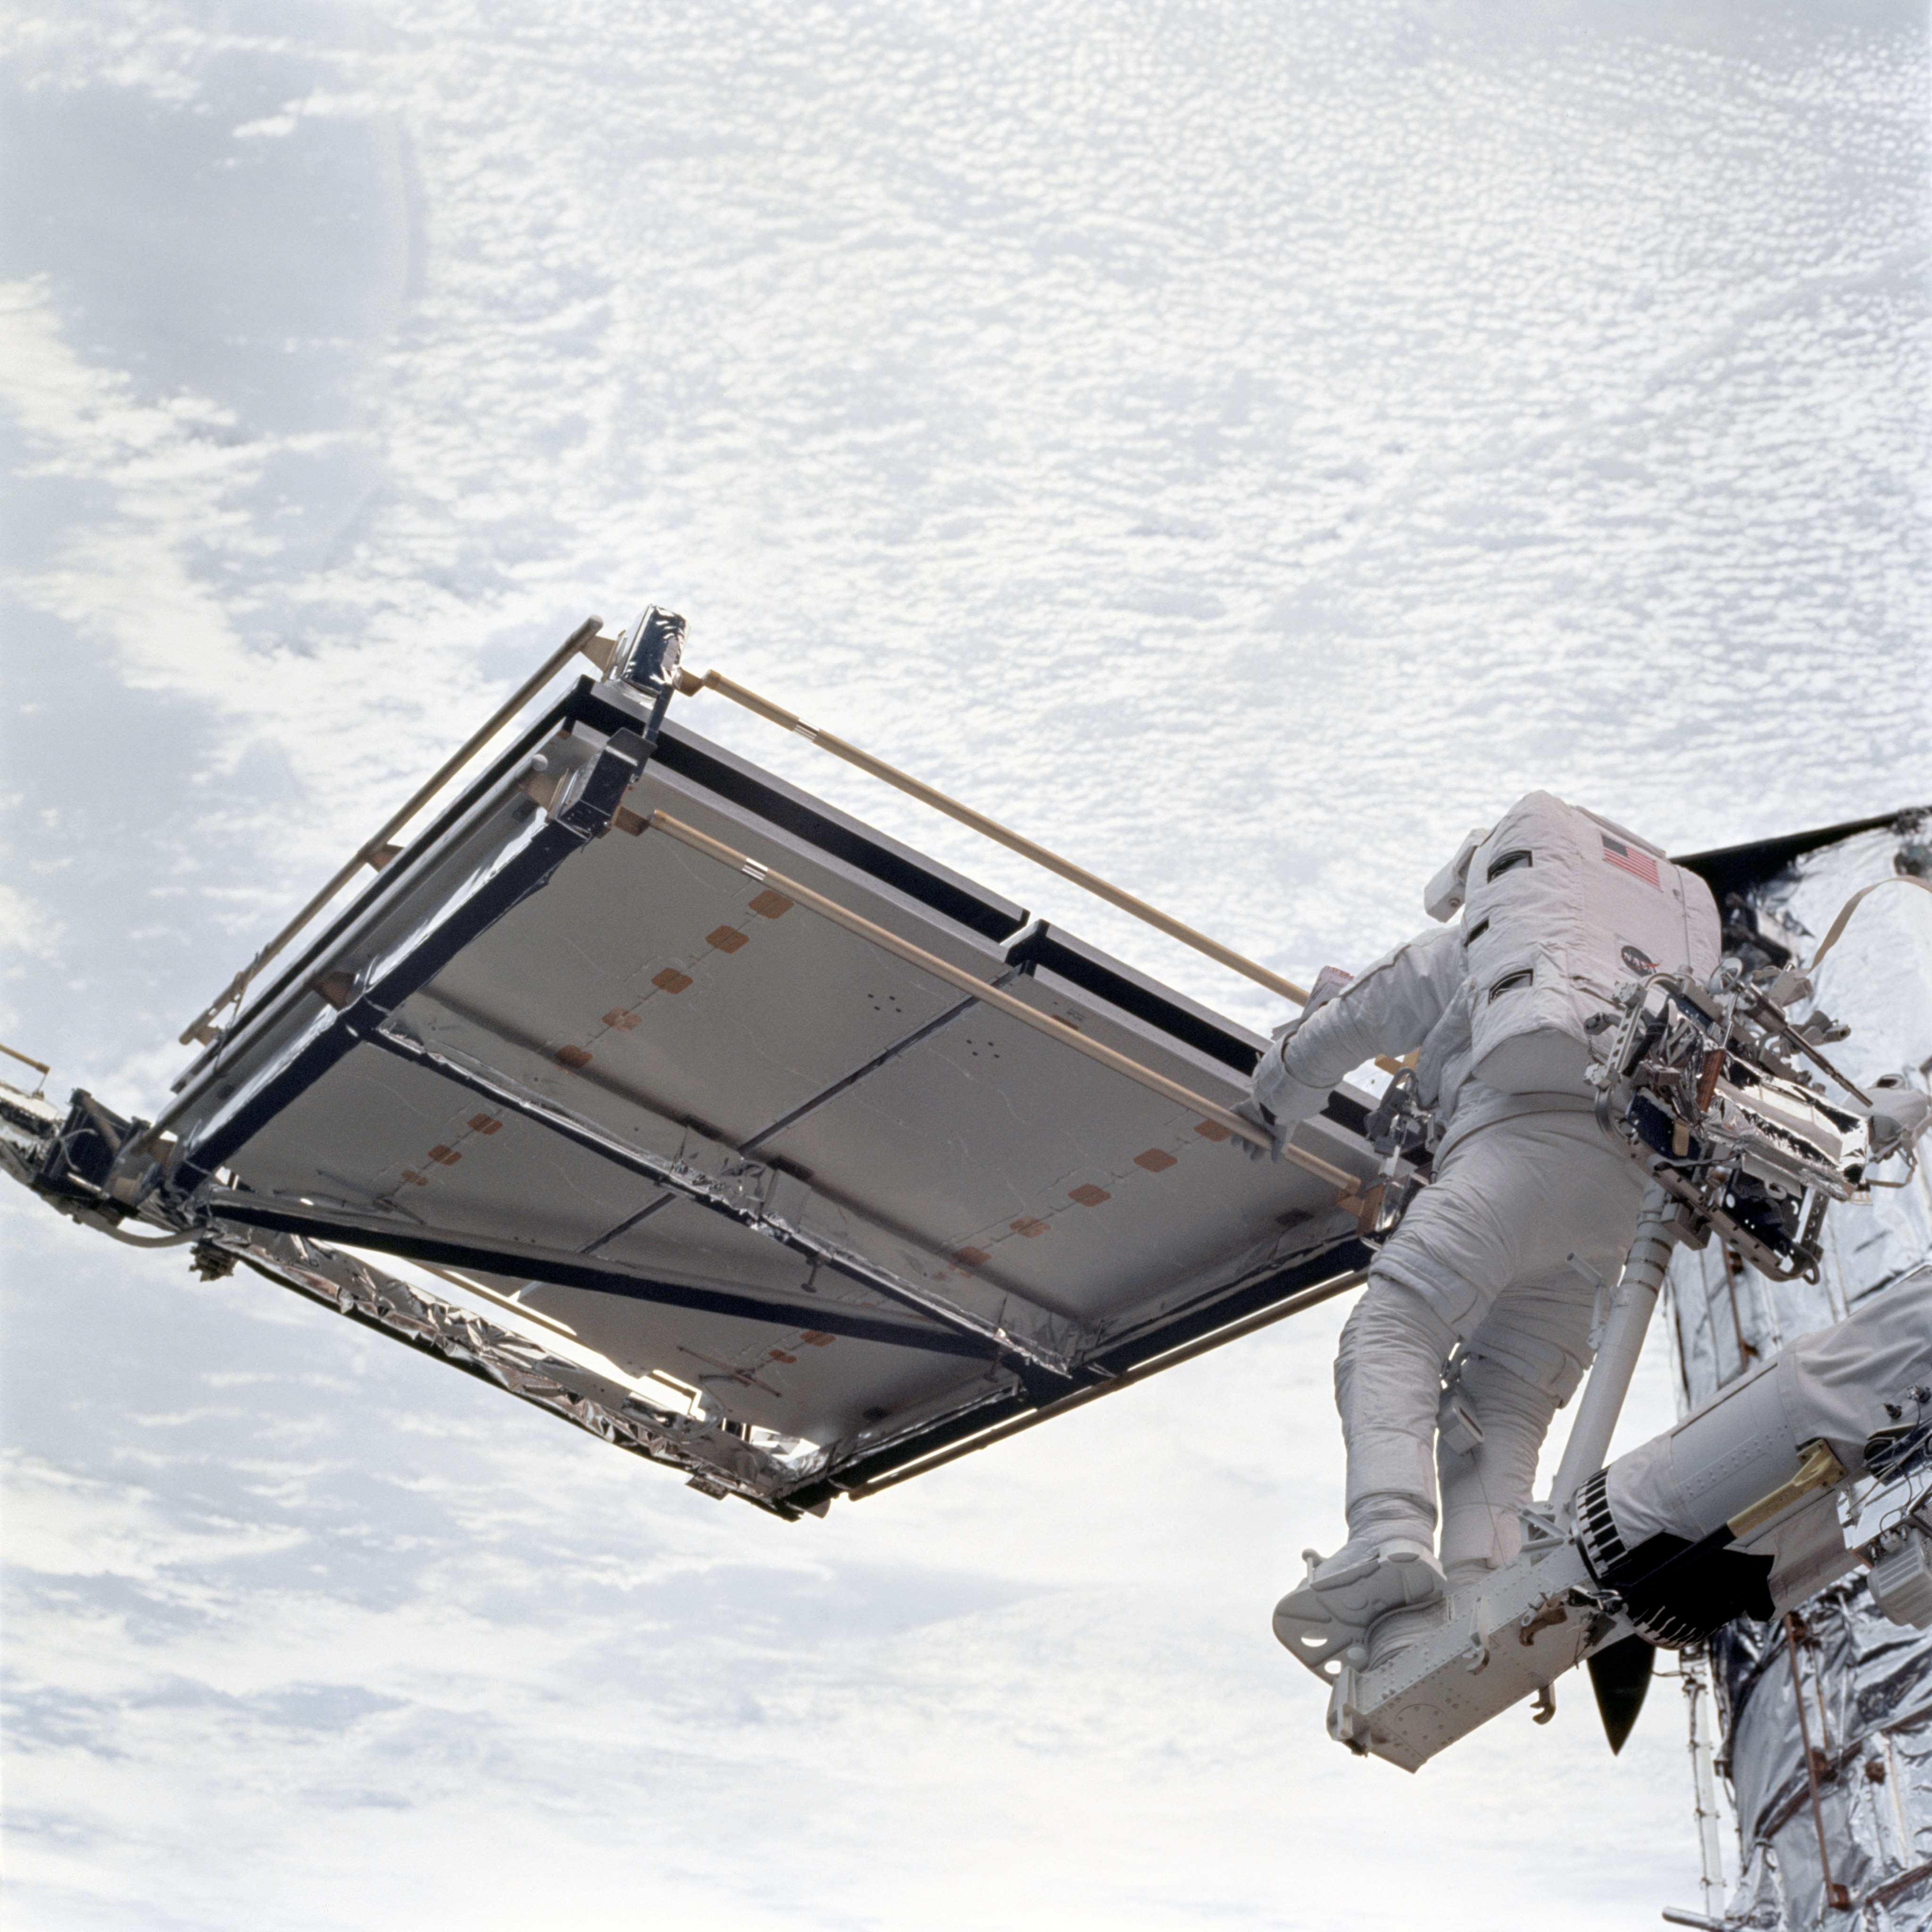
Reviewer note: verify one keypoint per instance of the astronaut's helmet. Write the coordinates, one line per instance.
(1442, 898)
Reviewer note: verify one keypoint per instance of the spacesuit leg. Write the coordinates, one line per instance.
(1387, 1376)
(1521, 1364)
(1508, 1207)
(1387, 1373)
(1483, 1487)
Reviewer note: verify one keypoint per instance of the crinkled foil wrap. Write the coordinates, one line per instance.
(714, 1461)
(1865, 1683)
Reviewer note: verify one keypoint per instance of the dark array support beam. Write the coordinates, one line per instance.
(562, 1269)
(615, 768)
(1239, 1309)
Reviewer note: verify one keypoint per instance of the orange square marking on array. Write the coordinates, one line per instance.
(1212, 1130)
(727, 939)
(671, 980)
(572, 1056)
(972, 1257)
(1088, 1195)
(1156, 1160)
(481, 1123)
(779, 1355)
(813, 1339)
(445, 1156)
(623, 1022)
(414, 1178)
(770, 904)
(1027, 1225)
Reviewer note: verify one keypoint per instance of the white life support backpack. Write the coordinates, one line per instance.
(1560, 907)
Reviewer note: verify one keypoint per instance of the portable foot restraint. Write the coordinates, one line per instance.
(1327, 1615)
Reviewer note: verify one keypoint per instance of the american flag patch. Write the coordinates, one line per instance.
(1616, 852)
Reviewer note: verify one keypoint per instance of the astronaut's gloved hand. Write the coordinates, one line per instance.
(1251, 1109)
(1279, 1128)
(1278, 1103)
(1901, 1111)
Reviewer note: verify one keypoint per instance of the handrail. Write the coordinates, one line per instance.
(1230, 1123)
(202, 1029)
(599, 650)
(39, 1067)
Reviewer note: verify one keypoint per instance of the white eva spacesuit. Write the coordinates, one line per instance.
(1531, 1206)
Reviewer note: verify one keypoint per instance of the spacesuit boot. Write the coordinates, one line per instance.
(1387, 1380)
(1347, 1596)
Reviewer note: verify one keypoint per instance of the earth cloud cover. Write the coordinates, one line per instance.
(1244, 446)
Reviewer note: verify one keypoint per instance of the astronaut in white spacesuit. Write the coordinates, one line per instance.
(1490, 1280)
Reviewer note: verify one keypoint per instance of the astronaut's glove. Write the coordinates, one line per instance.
(1900, 1113)
(1251, 1110)
(1278, 1103)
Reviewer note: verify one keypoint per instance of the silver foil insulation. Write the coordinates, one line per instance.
(1827, 1716)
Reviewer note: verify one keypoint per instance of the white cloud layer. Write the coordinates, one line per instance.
(1243, 445)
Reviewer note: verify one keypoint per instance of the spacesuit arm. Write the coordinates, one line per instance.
(1389, 1009)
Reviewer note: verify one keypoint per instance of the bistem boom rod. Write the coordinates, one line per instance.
(690, 683)
(1231, 1123)
(600, 650)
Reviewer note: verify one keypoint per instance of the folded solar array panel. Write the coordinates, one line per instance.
(579, 1044)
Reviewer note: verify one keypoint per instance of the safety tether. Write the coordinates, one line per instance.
(1852, 904)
